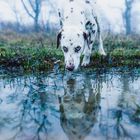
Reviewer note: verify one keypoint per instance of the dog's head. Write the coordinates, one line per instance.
(72, 42)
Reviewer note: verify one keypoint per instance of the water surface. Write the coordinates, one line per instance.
(93, 105)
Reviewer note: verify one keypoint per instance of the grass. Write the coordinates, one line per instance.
(38, 52)
(31, 52)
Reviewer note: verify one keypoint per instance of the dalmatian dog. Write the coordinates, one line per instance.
(79, 30)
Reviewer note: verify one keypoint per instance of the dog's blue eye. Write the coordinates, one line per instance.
(77, 49)
(65, 49)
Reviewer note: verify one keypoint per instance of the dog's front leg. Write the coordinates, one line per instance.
(100, 46)
(99, 39)
(87, 54)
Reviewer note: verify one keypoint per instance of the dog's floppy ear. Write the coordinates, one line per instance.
(85, 35)
(59, 38)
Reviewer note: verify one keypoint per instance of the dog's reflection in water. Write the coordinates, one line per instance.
(78, 112)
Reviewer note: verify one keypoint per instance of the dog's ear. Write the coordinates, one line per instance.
(86, 36)
(59, 38)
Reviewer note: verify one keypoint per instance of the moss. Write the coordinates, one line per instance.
(125, 53)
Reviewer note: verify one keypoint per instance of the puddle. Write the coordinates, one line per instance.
(94, 105)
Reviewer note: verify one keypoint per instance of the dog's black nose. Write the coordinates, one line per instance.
(71, 68)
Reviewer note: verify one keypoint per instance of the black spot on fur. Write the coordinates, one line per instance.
(59, 14)
(71, 10)
(82, 12)
(85, 35)
(66, 17)
(88, 22)
(87, 1)
(91, 42)
(71, 44)
(93, 31)
(81, 22)
(78, 35)
(58, 39)
(89, 35)
(71, 0)
(88, 25)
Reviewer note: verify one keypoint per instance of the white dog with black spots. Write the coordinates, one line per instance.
(79, 30)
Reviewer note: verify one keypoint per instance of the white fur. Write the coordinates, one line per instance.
(73, 26)
(70, 32)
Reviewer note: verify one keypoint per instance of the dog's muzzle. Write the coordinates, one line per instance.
(70, 67)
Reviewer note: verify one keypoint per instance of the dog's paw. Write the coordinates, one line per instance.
(85, 62)
(102, 52)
